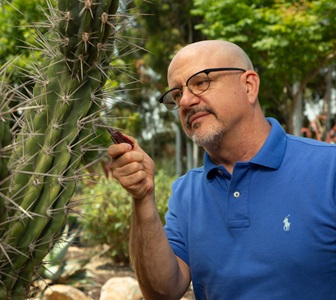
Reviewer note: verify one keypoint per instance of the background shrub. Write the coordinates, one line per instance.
(106, 214)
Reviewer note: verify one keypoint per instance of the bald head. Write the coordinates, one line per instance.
(212, 54)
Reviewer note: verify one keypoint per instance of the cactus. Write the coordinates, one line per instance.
(40, 175)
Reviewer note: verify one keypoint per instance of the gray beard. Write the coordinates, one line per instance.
(211, 140)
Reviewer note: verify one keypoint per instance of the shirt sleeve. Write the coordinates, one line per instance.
(175, 227)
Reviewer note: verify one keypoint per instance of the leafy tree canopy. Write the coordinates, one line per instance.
(18, 31)
(288, 41)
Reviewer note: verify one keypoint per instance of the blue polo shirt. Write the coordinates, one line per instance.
(268, 231)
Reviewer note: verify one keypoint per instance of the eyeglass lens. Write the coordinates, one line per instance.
(196, 84)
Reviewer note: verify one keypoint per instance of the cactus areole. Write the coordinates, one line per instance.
(46, 152)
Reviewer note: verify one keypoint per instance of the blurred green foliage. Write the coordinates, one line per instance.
(18, 25)
(291, 43)
(106, 213)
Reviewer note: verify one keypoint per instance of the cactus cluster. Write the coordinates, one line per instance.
(41, 155)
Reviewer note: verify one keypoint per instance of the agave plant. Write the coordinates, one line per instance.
(41, 149)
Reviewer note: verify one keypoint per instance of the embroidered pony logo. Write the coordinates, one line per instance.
(286, 223)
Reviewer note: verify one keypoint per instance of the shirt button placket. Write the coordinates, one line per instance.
(237, 204)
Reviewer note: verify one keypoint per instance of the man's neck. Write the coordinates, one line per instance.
(241, 147)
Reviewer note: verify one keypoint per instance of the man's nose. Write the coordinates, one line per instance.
(188, 98)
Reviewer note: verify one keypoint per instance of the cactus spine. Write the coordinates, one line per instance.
(46, 154)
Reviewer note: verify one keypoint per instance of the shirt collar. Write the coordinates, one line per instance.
(270, 155)
(272, 152)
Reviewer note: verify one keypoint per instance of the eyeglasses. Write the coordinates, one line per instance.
(197, 84)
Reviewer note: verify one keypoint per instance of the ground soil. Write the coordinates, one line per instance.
(97, 267)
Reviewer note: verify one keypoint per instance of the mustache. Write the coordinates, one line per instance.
(196, 110)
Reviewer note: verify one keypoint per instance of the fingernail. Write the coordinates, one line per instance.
(128, 146)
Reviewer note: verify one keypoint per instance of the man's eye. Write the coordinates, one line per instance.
(201, 83)
(176, 95)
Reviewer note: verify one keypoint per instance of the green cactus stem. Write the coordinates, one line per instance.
(48, 149)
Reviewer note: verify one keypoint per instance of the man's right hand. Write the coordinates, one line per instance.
(133, 168)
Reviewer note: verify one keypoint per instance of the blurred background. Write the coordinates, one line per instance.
(291, 43)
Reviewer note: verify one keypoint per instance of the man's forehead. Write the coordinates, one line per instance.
(179, 73)
(180, 69)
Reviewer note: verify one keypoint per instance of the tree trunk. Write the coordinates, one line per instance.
(296, 114)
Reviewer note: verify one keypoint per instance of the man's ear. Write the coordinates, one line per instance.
(252, 82)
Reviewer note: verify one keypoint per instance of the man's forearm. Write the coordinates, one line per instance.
(159, 273)
(154, 261)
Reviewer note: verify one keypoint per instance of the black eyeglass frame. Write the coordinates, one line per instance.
(207, 72)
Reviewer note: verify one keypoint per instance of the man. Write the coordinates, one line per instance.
(258, 220)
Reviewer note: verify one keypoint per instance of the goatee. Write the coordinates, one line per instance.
(212, 138)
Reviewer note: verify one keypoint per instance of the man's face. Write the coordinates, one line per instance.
(206, 118)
